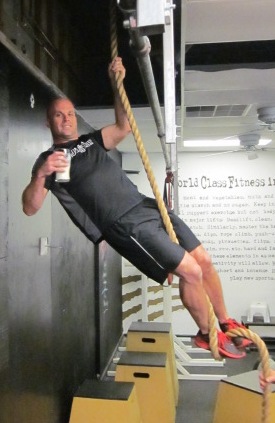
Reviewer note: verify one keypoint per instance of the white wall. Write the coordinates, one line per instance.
(229, 202)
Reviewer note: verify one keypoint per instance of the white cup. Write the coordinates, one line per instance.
(64, 176)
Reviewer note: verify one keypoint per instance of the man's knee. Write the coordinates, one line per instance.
(203, 259)
(189, 270)
(206, 262)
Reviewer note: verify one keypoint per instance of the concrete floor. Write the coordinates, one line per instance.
(197, 399)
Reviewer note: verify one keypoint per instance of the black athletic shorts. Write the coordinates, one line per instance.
(141, 238)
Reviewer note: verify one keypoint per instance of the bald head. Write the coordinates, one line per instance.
(62, 121)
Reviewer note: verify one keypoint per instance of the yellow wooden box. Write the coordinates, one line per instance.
(105, 402)
(239, 399)
(152, 377)
(154, 337)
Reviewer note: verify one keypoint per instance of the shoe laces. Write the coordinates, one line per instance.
(232, 323)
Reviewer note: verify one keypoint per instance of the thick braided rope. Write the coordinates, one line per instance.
(136, 133)
(213, 339)
(264, 355)
(145, 160)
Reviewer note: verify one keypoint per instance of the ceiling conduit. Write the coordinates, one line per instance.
(141, 47)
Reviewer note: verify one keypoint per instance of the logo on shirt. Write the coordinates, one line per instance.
(81, 148)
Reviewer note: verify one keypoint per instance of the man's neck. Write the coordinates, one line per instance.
(58, 141)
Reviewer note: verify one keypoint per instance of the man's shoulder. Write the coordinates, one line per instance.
(92, 134)
(95, 136)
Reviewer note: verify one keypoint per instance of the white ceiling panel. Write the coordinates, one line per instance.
(216, 21)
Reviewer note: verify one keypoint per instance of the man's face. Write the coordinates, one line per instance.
(62, 121)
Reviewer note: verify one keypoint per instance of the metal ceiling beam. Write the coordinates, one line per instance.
(141, 47)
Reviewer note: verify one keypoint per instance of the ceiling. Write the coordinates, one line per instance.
(224, 71)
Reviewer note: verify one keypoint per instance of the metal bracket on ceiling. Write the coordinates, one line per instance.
(147, 16)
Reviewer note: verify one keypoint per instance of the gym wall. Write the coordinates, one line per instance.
(50, 305)
(229, 202)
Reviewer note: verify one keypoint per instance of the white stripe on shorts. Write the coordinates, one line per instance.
(146, 252)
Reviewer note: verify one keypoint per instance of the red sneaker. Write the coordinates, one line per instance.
(225, 345)
(239, 341)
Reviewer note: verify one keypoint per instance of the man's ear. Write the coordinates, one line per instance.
(47, 123)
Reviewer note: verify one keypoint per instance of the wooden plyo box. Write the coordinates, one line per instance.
(105, 402)
(239, 399)
(154, 337)
(152, 377)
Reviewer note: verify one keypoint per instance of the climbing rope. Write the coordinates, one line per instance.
(169, 228)
(145, 160)
(213, 339)
(265, 362)
(136, 133)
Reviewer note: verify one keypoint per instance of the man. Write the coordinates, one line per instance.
(104, 204)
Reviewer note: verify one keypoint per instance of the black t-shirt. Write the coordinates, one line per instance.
(98, 190)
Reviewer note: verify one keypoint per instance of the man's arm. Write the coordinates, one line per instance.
(35, 192)
(115, 133)
(33, 196)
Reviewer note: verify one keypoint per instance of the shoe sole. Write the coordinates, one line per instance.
(223, 352)
(242, 343)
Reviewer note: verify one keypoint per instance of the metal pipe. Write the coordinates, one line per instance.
(141, 47)
(170, 96)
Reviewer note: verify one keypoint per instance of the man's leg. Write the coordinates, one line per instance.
(211, 283)
(193, 296)
(192, 292)
(213, 288)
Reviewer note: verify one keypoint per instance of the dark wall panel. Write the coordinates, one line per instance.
(30, 384)
(73, 302)
(109, 307)
(108, 294)
(49, 303)
(4, 309)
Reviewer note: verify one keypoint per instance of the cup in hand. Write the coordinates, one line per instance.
(64, 176)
